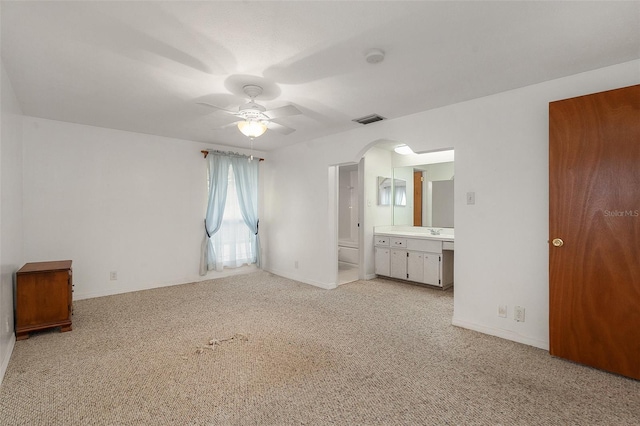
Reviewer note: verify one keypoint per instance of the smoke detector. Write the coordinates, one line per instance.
(374, 56)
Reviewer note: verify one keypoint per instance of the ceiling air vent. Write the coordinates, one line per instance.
(368, 119)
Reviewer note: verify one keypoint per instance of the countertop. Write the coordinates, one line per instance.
(413, 234)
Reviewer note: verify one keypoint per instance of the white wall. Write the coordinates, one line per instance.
(114, 201)
(501, 148)
(11, 257)
(377, 162)
(297, 213)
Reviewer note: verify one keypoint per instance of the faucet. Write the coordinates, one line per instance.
(435, 231)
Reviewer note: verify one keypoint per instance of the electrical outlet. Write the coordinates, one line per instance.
(502, 311)
(518, 313)
(113, 275)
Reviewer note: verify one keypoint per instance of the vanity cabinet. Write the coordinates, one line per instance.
(420, 260)
(424, 267)
(415, 265)
(382, 259)
(398, 258)
(399, 264)
(433, 273)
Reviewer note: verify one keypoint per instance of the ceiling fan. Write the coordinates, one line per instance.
(254, 119)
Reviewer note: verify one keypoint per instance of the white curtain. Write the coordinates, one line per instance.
(384, 193)
(400, 198)
(246, 183)
(218, 168)
(234, 242)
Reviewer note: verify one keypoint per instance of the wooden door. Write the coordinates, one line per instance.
(417, 198)
(594, 208)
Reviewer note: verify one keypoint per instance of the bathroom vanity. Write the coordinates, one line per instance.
(415, 254)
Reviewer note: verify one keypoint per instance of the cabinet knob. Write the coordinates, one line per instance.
(557, 242)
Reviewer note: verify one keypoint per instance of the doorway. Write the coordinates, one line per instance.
(379, 163)
(349, 186)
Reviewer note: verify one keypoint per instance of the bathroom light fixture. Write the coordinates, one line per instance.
(252, 128)
(403, 150)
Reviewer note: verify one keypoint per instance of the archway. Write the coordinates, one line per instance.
(375, 160)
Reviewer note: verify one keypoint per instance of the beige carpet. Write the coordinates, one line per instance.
(369, 353)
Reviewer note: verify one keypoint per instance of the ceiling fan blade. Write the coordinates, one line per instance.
(227, 126)
(280, 128)
(285, 111)
(217, 108)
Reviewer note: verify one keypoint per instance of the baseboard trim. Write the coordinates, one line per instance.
(326, 286)
(7, 357)
(504, 334)
(211, 275)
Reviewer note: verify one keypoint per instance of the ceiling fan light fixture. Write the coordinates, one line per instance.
(252, 128)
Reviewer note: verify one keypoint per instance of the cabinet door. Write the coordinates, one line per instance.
(399, 264)
(415, 266)
(432, 269)
(382, 261)
(42, 298)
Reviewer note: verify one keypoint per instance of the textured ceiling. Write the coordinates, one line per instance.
(143, 66)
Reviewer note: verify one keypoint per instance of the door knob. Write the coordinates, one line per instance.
(557, 242)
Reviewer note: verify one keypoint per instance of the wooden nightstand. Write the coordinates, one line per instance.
(43, 297)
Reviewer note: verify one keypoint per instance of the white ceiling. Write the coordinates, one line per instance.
(142, 66)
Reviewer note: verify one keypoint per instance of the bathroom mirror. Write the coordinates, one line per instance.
(442, 203)
(428, 191)
(384, 191)
(399, 192)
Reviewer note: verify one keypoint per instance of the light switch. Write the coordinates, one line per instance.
(471, 197)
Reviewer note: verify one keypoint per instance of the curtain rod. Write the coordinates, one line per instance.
(229, 153)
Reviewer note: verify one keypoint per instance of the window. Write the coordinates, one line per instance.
(233, 241)
(231, 221)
